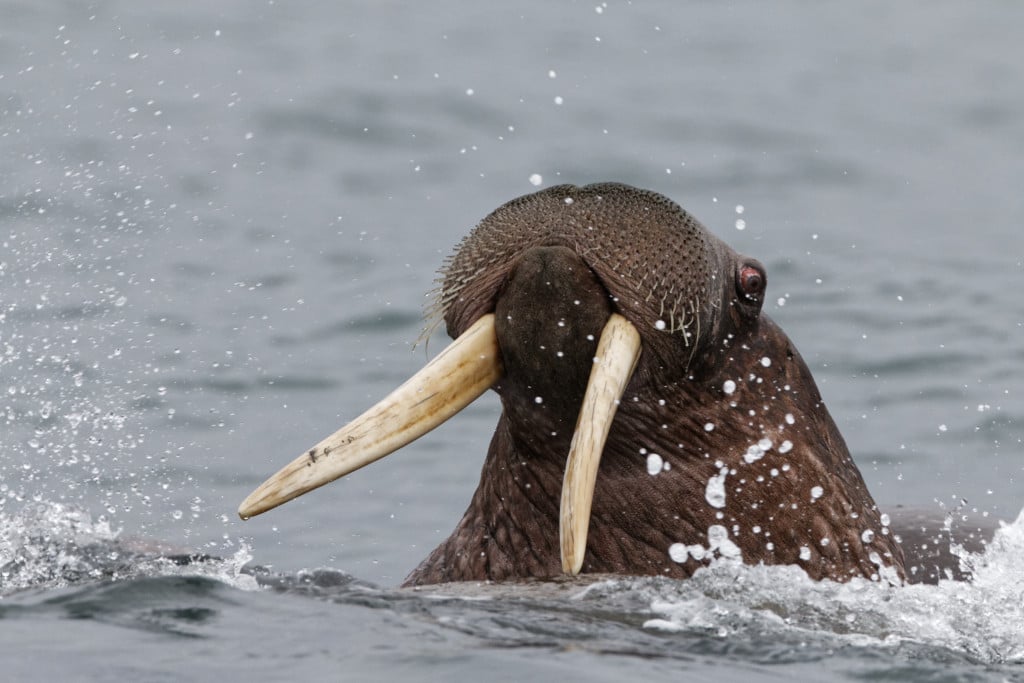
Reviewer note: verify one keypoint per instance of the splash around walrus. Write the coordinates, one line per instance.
(653, 419)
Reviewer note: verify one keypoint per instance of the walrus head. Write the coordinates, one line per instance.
(653, 419)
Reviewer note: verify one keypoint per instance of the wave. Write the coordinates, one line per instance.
(762, 615)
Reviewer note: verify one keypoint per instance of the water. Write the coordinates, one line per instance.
(217, 224)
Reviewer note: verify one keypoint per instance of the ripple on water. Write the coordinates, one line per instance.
(982, 619)
(740, 615)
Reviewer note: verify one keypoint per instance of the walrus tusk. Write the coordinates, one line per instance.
(445, 385)
(617, 354)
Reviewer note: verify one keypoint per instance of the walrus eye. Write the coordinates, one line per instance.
(751, 282)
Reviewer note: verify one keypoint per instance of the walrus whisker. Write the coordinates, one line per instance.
(694, 306)
(684, 322)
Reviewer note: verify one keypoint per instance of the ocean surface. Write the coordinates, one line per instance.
(218, 225)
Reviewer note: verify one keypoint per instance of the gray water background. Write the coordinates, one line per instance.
(218, 222)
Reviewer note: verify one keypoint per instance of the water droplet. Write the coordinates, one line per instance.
(718, 539)
(714, 493)
(678, 552)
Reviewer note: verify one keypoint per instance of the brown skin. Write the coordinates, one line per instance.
(553, 272)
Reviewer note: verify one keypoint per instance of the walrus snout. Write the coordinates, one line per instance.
(548, 318)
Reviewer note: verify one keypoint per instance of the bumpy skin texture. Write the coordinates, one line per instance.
(754, 464)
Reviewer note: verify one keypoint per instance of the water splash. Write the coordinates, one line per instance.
(51, 545)
(774, 614)
(982, 618)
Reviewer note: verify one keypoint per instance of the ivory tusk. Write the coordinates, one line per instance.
(617, 353)
(446, 385)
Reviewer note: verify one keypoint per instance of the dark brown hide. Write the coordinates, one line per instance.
(752, 466)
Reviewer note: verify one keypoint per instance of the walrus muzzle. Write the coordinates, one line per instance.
(455, 378)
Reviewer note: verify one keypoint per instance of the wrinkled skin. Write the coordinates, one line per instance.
(753, 464)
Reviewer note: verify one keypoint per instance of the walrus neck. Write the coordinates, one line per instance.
(790, 492)
(753, 467)
(510, 529)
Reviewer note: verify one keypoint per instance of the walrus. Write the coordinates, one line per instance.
(654, 418)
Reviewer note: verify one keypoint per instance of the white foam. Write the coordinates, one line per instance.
(718, 540)
(714, 493)
(52, 545)
(982, 619)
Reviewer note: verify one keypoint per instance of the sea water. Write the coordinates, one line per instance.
(218, 224)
